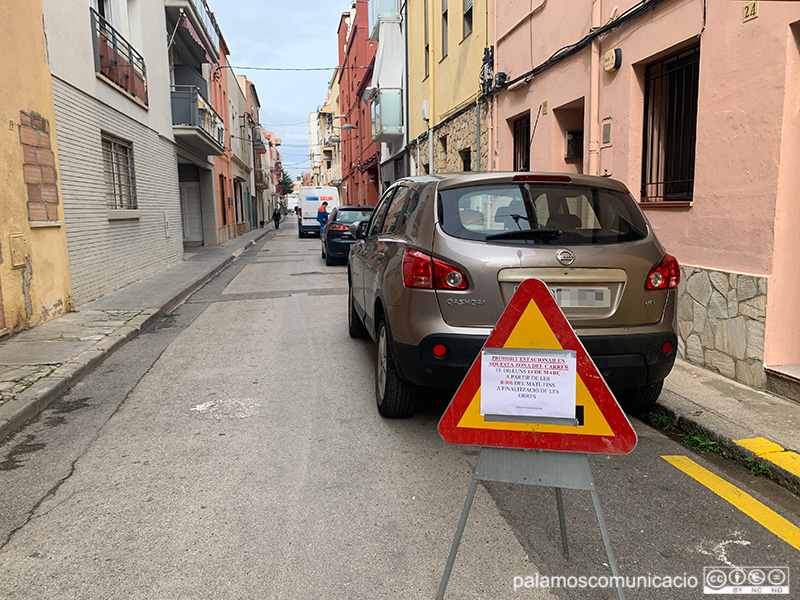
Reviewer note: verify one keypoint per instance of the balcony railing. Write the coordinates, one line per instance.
(382, 10)
(190, 109)
(201, 7)
(387, 114)
(116, 60)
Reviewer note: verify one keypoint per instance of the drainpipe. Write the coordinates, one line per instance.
(406, 135)
(595, 73)
(493, 98)
(478, 134)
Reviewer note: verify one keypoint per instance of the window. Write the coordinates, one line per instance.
(522, 144)
(466, 159)
(670, 127)
(376, 221)
(427, 43)
(394, 215)
(557, 214)
(120, 179)
(467, 17)
(444, 28)
(222, 199)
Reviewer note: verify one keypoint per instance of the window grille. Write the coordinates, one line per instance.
(120, 179)
(670, 127)
(522, 143)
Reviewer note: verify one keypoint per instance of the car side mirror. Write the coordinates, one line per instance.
(357, 229)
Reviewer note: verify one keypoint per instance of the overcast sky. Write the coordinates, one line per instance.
(286, 34)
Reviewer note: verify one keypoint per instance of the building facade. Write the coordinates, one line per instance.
(34, 270)
(448, 42)
(695, 106)
(110, 78)
(360, 154)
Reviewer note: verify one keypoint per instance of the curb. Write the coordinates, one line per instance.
(28, 404)
(689, 416)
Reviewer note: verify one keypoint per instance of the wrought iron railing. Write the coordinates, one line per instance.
(116, 60)
(201, 7)
(190, 108)
(670, 128)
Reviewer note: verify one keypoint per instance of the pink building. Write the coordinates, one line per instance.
(694, 105)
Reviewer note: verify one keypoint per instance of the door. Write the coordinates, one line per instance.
(191, 213)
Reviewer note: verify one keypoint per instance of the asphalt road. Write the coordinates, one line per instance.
(234, 451)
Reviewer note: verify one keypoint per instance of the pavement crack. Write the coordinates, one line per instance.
(32, 513)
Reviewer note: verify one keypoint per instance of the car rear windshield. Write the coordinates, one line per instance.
(550, 213)
(351, 216)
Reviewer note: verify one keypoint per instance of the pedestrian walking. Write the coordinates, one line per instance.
(276, 216)
(322, 217)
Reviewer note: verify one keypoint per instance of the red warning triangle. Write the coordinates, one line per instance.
(533, 320)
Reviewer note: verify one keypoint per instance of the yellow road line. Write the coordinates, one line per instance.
(754, 509)
(772, 452)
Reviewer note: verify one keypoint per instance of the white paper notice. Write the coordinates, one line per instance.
(528, 383)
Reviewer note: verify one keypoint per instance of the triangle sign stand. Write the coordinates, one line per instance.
(533, 322)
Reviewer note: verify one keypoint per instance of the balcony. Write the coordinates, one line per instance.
(259, 142)
(116, 60)
(387, 115)
(261, 179)
(382, 11)
(197, 34)
(195, 124)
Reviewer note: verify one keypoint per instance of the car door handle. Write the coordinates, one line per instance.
(381, 255)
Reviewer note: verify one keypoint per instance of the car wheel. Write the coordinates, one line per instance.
(329, 260)
(641, 400)
(355, 327)
(396, 397)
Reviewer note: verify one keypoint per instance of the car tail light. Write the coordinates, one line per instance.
(549, 178)
(337, 227)
(666, 275)
(423, 271)
(299, 212)
(666, 348)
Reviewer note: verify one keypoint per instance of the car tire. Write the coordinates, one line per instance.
(396, 397)
(323, 253)
(355, 327)
(641, 400)
(329, 260)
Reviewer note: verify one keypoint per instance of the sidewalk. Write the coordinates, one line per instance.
(37, 365)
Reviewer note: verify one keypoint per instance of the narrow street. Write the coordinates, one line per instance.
(234, 451)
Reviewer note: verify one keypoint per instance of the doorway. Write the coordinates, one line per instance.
(191, 213)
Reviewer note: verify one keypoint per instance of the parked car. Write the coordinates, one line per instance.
(434, 268)
(336, 236)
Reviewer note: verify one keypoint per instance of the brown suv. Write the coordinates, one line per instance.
(433, 269)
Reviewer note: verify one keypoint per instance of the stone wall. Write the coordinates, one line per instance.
(459, 135)
(721, 318)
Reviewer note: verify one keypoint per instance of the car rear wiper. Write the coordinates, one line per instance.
(526, 234)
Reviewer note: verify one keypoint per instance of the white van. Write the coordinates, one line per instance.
(308, 203)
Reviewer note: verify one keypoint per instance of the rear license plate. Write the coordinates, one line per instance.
(580, 297)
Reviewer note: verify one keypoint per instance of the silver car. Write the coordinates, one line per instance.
(435, 266)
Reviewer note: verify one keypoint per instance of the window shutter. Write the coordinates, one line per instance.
(467, 5)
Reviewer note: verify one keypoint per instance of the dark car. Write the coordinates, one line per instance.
(336, 236)
(441, 257)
